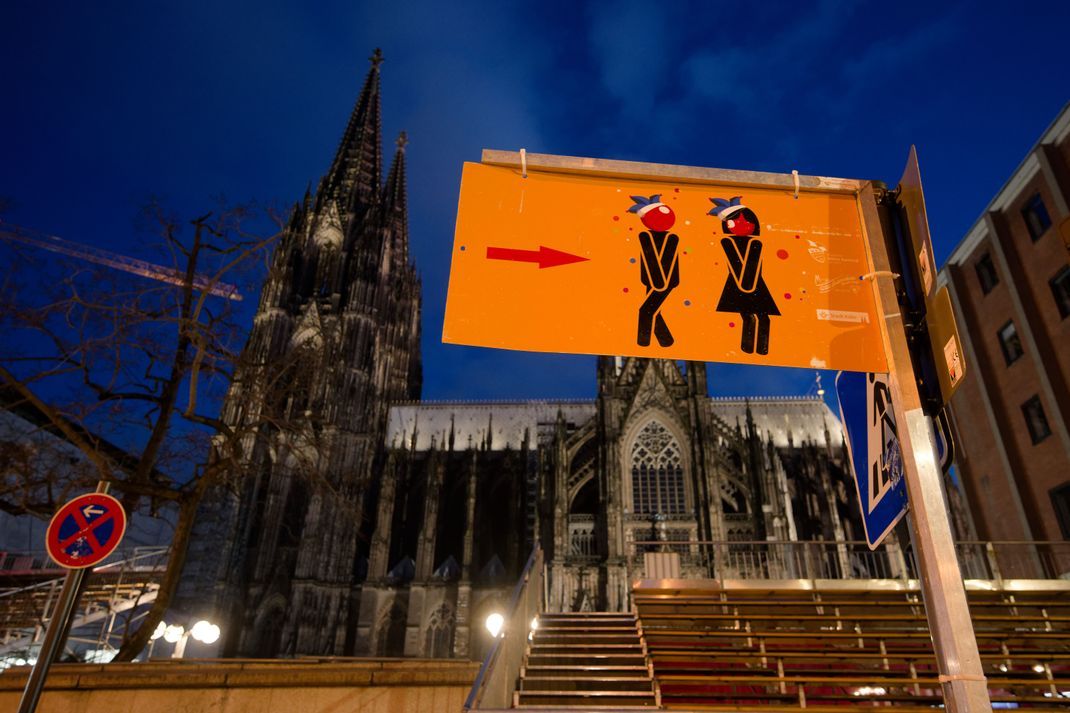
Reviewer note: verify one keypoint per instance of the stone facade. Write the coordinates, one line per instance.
(384, 525)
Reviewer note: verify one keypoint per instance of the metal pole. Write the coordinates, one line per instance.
(56, 634)
(961, 674)
(53, 642)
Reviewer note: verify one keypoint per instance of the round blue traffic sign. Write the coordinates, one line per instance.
(85, 531)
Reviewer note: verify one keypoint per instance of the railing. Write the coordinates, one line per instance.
(115, 587)
(780, 559)
(496, 681)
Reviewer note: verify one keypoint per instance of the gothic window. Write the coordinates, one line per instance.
(438, 641)
(390, 640)
(657, 473)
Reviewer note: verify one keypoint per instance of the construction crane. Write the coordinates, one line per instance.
(170, 275)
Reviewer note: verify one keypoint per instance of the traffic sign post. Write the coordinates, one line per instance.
(81, 534)
(649, 280)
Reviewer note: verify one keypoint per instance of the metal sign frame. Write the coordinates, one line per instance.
(961, 674)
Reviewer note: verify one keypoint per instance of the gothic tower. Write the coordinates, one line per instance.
(335, 341)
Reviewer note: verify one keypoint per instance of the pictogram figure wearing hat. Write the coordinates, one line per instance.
(745, 291)
(659, 268)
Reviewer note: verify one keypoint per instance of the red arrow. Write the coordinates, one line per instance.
(546, 257)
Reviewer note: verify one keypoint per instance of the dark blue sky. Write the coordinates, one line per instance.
(106, 104)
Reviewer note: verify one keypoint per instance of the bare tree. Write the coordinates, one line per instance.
(132, 372)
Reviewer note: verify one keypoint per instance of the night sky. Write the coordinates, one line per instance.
(106, 104)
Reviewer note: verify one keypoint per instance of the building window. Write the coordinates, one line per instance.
(1060, 288)
(438, 640)
(1036, 217)
(657, 473)
(1060, 500)
(986, 273)
(1035, 420)
(1010, 343)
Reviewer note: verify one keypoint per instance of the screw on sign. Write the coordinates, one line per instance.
(85, 531)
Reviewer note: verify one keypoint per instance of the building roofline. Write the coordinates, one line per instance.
(1056, 131)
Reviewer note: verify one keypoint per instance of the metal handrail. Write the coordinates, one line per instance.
(515, 628)
(140, 553)
(1062, 543)
(852, 559)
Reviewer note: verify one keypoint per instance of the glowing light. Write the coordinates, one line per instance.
(173, 633)
(494, 624)
(205, 632)
(158, 632)
(534, 623)
(870, 691)
(1038, 668)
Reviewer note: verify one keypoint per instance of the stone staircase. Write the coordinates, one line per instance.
(586, 660)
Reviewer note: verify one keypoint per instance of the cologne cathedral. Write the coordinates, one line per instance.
(388, 526)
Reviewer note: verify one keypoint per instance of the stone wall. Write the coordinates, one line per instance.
(251, 686)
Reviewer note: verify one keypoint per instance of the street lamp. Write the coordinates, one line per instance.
(494, 624)
(203, 631)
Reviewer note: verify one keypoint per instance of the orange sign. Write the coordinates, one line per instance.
(601, 265)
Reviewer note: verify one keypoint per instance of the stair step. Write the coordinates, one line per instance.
(543, 647)
(577, 667)
(570, 660)
(588, 619)
(586, 638)
(585, 698)
(628, 624)
(587, 685)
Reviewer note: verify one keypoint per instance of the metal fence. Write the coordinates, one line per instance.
(29, 589)
(781, 559)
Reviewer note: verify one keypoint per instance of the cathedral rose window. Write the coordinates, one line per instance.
(657, 473)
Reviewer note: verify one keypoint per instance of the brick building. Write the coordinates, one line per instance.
(1010, 285)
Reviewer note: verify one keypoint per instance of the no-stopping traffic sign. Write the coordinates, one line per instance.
(85, 531)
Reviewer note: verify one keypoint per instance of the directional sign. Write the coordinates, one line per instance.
(85, 531)
(873, 444)
(598, 264)
(940, 318)
(913, 201)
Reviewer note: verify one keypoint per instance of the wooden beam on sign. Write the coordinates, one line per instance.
(664, 171)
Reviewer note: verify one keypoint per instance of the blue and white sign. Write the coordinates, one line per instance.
(873, 444)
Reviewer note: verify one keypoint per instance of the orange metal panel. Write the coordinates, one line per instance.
(799, 268)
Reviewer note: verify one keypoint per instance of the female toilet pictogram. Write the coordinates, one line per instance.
(745, 291)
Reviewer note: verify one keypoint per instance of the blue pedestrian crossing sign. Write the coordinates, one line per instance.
(873, 445)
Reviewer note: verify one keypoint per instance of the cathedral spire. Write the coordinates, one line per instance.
(354, 177)
(395, 210)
